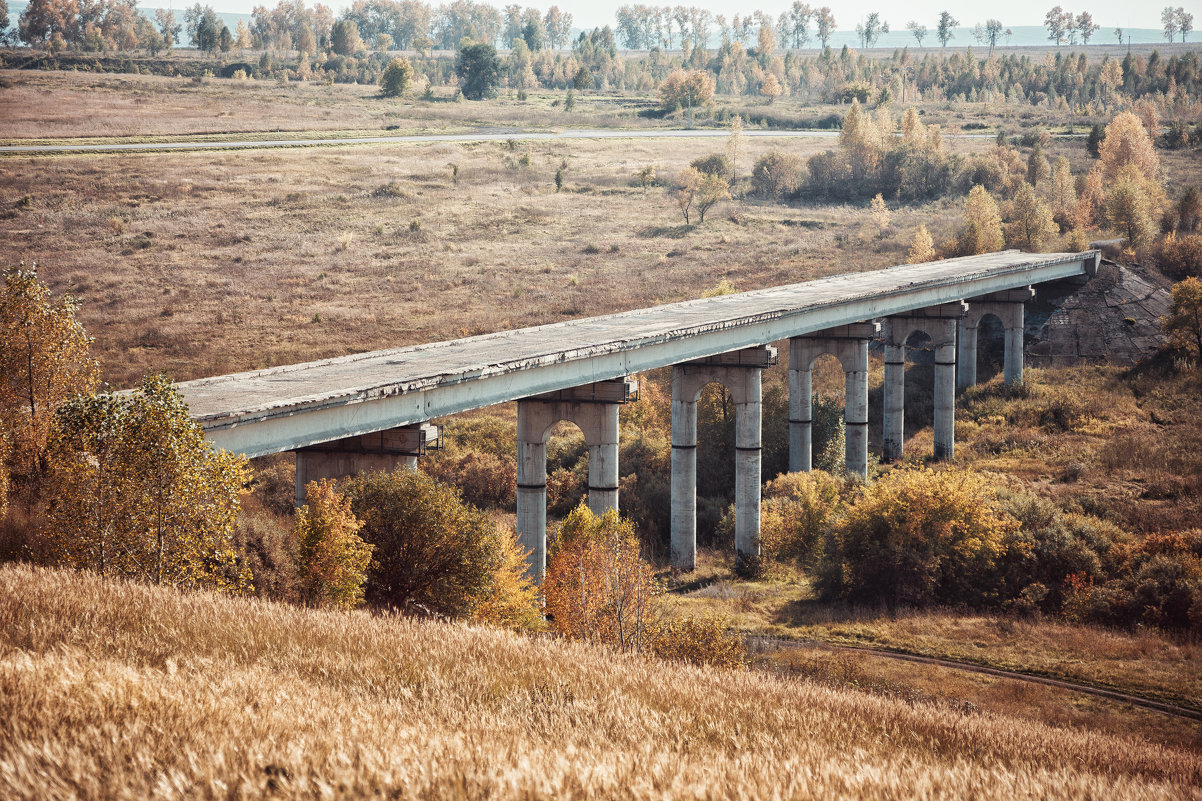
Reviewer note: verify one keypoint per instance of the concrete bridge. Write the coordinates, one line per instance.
(371, 411)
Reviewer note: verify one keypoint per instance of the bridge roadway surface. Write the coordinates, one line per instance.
(294, 406)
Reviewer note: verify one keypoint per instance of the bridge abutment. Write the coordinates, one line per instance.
(848, 344)
(594, 409)
(740, 372)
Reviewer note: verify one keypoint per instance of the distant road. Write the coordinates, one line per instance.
(489, 136)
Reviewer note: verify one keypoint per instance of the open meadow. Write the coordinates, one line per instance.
(203, 263)
(123, 690)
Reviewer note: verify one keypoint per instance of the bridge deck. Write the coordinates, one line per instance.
(370, 391)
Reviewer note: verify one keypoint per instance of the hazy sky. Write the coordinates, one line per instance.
(594, 13)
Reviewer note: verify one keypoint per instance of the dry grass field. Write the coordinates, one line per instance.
(205, 263)
(114, 690)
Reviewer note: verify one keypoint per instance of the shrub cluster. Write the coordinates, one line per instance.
(921, 537)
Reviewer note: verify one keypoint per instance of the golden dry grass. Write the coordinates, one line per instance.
(206, 263)
(126, 691)
(1144, 663)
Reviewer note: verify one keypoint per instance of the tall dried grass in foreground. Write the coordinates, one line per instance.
(112, 690)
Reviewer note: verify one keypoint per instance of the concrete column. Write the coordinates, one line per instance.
(893, 440)
(1013, 365)
(966, 358)
(592, 407)
(739, 372)
(855, 411)
(380, 451)
(801, 442)
(603, 460)
(748, 417)
(945, 388)
(532, 487)
(684, 471)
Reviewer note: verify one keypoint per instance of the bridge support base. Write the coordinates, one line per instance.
(1009, 308)
(594, 408)
(740, 373)
(939, 323)
(849, 344)
(382, 451)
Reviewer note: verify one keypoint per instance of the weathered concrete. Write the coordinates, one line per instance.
(594, 409)
(938, 323)
(1008, 308)
(740, 373)
(286, 408)
(382, 451)
(849, 344)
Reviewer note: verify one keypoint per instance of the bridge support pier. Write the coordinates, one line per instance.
(592, 407)
(740, 372)
(382, 451)
(1009, 308)
(848, 344)
(939, 323)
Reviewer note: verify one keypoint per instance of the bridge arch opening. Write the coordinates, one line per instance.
(828, 408)
(991, 346)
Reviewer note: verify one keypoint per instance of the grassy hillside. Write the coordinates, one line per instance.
(120, 690)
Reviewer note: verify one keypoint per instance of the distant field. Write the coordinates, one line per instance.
(118, 689)
(205, 263)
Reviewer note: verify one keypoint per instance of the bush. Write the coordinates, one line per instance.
(701, 641)
(396, 78)
(1179, 257)
(433, 552)
(796, 512)
(777, 175)
(716, 164)
(267, 548)
(917, 537)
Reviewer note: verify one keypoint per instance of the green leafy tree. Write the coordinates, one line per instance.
(435, 553)
(344, 38)
(203, 27)
(944, 32)
(478, 69)
(139, 492)
(332, 558)
(1184, 322)
(396, 78)
(44, 359)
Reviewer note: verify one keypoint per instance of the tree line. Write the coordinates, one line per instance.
(411, 24)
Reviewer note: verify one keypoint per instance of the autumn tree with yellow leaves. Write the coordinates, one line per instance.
(44, 359)
(982, 229)
(436, 554)
(597, 586)
(139, 492)
(332, 559)
(1029, 221)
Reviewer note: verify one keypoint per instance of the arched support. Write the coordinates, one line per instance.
(848, 344)
(1009, 308)
(939, 323)
(740, 373)
(381, 451)
(592, 407)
